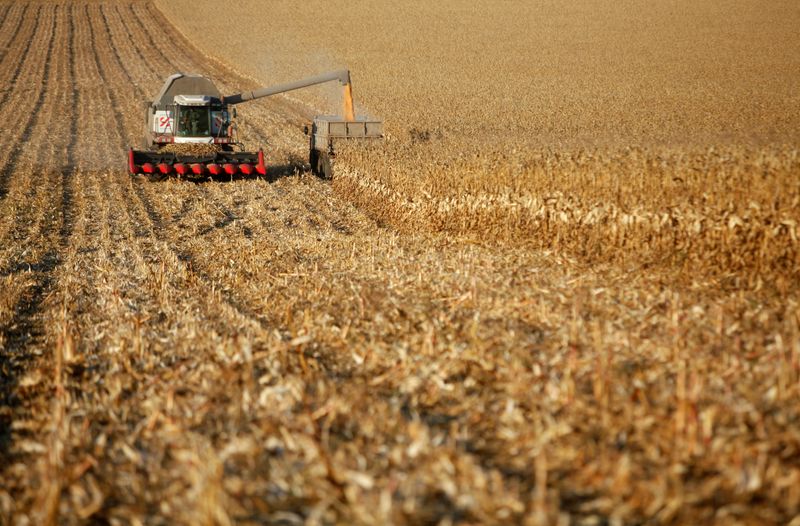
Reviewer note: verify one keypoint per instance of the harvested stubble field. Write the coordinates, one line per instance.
(563, 290)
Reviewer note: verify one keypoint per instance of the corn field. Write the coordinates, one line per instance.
(562, 289)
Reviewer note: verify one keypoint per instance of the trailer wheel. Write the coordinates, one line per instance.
(321, 164)
(324, 166)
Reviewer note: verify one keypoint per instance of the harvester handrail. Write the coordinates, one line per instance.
(343, 76)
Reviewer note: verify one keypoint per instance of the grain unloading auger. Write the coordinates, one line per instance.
(190, 129)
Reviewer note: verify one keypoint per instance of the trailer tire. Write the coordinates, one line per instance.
(313, 159)
(324, 168)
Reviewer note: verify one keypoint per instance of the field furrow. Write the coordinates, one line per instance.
(14, 58)
(12, 18)
(140, 210)
(36, 173)
(17, 94)
(41, 240)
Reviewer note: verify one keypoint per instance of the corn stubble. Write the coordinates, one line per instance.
(474, 323)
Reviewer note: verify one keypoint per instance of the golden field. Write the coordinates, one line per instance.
(602, 128)
(562, 290)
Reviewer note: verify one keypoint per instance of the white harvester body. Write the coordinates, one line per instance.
(190, 109)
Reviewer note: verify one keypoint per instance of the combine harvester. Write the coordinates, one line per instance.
(191, 112)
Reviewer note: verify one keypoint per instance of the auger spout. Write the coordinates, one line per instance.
(343, 76)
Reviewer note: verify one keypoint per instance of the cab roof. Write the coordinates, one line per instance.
(186, 84)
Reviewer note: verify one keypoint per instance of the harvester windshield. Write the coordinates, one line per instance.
(193, 121)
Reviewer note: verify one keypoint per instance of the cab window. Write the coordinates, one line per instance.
(193, 121)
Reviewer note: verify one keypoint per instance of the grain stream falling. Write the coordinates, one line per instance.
(348, 111)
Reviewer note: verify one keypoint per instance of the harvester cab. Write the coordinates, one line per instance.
(190, 129)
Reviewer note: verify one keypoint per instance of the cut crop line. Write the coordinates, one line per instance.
(22, 45)
(26, 188)
(12, 35)
(124, 41)
(140, 52)
(165, 57)
(47, 221)
(12, 99)
(115, 50)
(156, 222)
(26, 324)
(68, 170)
(33, 118)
